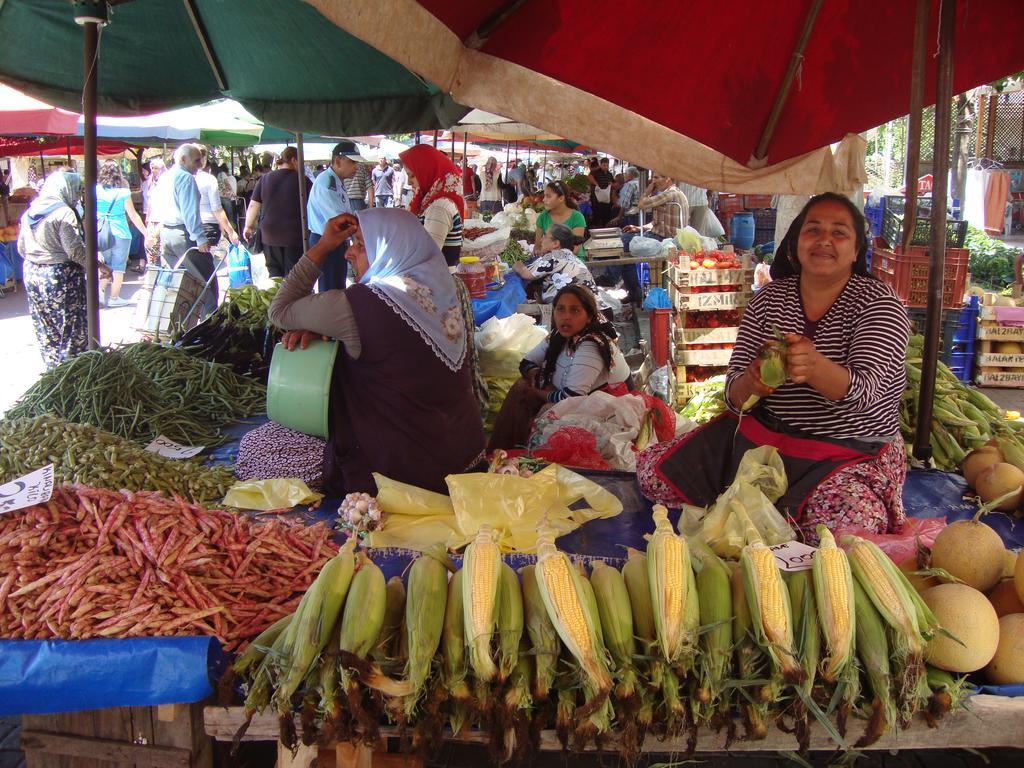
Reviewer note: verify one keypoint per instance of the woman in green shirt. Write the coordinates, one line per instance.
(559, 208)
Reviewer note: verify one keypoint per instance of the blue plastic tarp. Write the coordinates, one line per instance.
(500, 303)
(49, 676)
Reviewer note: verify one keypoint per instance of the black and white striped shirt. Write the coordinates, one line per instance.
(865, 330)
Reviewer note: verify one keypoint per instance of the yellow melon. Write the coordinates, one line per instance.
(1004, 598)
(967, 614)
(970, 551)
(1007, 666)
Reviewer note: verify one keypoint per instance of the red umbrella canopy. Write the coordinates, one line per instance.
(706, 70)
(21, 115)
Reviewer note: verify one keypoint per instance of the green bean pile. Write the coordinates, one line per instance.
(210, 390)
(248, 306)
(84, 454)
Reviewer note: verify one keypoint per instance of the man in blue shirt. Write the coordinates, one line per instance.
(181, 227)
(328, 199)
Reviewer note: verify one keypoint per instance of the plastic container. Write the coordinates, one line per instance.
(907, 273)
(299, 387)
(741, 230)
(474, 275)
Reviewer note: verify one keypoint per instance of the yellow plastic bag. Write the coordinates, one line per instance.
(414, 518)
(515, 506)
(277, 493)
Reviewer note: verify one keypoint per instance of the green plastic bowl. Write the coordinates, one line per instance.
(299, 387)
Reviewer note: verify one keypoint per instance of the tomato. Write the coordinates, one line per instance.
(694, 265)
(709, 263)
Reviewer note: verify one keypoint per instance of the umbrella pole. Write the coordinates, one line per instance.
(937, 263)
(913, 169)
(417, 140)
(795, 62)
(68, 144)
(90, 67)
(302, 191)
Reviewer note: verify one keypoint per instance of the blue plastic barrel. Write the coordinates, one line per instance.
(741, 230)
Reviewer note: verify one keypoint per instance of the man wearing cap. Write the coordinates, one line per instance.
(328, 199)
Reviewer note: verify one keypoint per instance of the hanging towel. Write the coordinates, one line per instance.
(997, 192)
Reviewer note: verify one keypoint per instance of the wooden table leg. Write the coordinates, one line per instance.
(304, 757)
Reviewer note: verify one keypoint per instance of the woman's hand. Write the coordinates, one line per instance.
(300, 339)
(802, 358)
(338, 230)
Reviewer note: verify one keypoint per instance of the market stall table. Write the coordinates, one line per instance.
(501, 302)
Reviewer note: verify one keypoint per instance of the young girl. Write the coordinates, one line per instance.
(555, 268)
(575, 359)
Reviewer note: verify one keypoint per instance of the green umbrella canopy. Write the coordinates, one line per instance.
(281, 59)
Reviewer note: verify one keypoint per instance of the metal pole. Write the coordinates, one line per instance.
(68, 144)
(913, 169)
(302, 191)
(90, 73)
(937, 263)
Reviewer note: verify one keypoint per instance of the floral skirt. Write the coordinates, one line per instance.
(57, 305)
(867, 495)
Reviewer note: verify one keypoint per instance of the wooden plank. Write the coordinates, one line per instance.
(1005, 380)
(39, 759)
(703, 357)
(992, 331)
(105, 749)
(726, 335)
(992, 359)
(353, 756)
(708, 302)
(690, 278)
(993, 721)
(114, 724)
(303, 757)
(142, 727)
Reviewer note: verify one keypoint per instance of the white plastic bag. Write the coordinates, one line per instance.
(615, 423)
(645, 247)
(503, 342)
(489, 245)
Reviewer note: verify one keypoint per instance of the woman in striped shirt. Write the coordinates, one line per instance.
(836, 418)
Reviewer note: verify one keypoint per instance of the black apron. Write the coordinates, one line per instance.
(704, 462)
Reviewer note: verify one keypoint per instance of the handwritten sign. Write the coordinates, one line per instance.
(793, 556)
(27, 491)
(169, 449)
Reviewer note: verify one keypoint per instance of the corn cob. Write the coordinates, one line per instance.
(590, 602)
(773, 369)
(255, 652)
(482, 564)
(716, 612)
(566, 601)
(314, 620)
(770, 610)
(310, 631)
(359, 633)
(634, 573)
(751, 661)
(911, 622)
(510, 621)
(808, 647)
(394, 610)
(453, 654)
(671, 577)
(873, 651)
(517, 704)
(543, 637)
(949, 694)
(424, 621)
(833, 594)
(614, 610)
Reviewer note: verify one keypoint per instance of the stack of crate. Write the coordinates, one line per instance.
(998, 366)
(709, 304)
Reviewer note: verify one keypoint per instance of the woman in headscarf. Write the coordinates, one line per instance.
(401, 397)
(490, 187)
(51, 242)
(441, 208)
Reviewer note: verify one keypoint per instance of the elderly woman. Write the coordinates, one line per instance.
(835, 420)
(402, 399)
(51, 242)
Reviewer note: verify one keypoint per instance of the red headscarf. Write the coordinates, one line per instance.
(436, 175)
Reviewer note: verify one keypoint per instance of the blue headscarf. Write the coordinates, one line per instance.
(409, 273)
(60, 188)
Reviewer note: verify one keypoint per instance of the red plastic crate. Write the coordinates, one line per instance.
(661, 324)
(751, 202)
(907, 273)
(728, 203)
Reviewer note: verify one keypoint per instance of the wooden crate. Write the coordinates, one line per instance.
(991, 359)
(686, 389)
(989, 330)
(169, 736)
(707, 302)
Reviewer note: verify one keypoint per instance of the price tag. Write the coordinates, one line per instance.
(29, 490)
(793, 556)
(169, 449)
